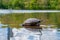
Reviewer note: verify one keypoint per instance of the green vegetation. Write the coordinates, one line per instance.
(14, 19)
(30, 4)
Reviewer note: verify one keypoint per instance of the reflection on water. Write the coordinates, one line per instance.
(47, 34)
(58, 35)
(51, 35)
(3, 33)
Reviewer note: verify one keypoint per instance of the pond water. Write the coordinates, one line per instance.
(3, 33)
(50, 35)
(46, 35)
